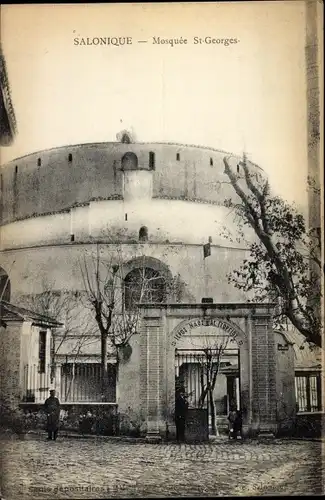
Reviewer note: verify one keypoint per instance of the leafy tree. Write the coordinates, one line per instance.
(284, 262)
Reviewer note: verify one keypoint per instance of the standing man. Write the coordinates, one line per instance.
(238, 424)
(232, 419)
(181, 406)
(52, 409)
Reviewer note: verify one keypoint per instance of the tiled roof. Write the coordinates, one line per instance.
(9, 312)
(8, 120)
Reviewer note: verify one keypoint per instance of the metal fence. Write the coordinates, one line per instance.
(36, 383)
(79, 382)
(308, 392)
(82, 382)
(190, 374)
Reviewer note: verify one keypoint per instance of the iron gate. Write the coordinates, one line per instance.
(194, 370)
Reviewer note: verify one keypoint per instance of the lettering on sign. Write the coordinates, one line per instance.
(215, 322)
(283, 347)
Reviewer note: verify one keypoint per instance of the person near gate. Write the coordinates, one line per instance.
(232, 419)
(235, 423)
(181, 406)
(52, 410)
(238, 424)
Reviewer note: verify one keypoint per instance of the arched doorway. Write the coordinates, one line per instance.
(163, 329)
(207, 370)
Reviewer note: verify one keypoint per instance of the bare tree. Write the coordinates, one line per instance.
(284, 264)
(64, 306)
(114, 300)
(209, 365)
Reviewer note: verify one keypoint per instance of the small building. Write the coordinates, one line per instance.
(25, 349)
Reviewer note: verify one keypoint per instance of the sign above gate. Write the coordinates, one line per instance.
(225, 326)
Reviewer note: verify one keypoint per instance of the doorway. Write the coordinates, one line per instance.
(211, 382)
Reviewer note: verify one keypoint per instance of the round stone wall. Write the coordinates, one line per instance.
(58, 179)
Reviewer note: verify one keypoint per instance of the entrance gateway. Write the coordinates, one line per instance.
(170, 330)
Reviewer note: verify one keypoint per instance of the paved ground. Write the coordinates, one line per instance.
(97, 468)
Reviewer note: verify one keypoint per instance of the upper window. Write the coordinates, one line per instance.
(126, 139)
(129, 161)
(70, 157)
(152, 160)
(143, 233)
(144, 285)
(39, 161)
(42, 351)
(178, 156)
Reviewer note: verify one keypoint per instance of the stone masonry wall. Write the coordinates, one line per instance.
(264, 375)
(10, 351)
(60, 178)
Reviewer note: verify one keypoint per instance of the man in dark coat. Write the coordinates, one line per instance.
(238, 424)
(52, 409)
(232, 419)
(181, 406)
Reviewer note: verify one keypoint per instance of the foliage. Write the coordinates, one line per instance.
(19, 421)
(87, 420)
(284, 259)
(131, 423)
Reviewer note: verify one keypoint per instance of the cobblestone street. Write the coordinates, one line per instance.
(99, 468)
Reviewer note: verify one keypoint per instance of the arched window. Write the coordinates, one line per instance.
(129, 161)
(39, 162)
(144, 285)
(126, 139)
(143, 233)
(4, 285)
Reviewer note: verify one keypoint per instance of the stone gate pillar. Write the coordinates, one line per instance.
(152, 371)
(263, 356)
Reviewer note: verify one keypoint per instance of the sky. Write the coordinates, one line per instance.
(248, 96)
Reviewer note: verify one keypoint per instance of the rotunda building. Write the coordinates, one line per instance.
(167, 198)
(156, 211)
